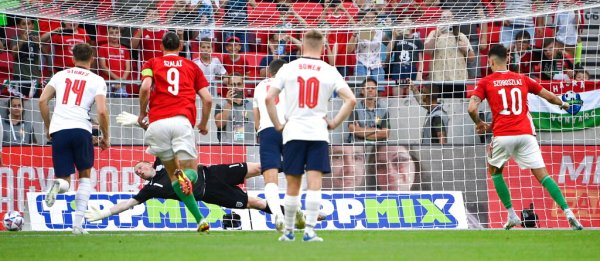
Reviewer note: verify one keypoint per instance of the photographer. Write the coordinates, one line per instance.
(233, 114)
(26, 49)
(449, 64)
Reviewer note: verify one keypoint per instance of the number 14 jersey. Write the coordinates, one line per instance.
(176, 82)
(76, 89)
(309, 84)
(506, 93)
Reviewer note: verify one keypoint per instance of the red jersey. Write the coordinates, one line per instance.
(150, 43)
(63, 45)
(240, 66)
(506, 93)
(176, 82)
(116, 59)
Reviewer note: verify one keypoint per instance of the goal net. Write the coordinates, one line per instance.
(408, 157)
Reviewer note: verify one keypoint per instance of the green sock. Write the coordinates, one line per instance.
(552, 187)
(188, 200)
(191, 174)
(502, 190)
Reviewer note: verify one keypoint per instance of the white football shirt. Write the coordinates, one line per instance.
(76, 89)
(260, 95)
(308, 84)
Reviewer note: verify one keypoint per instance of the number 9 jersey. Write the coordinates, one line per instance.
(506, 93)
(309, 84)
(176, 83)
(76, 89)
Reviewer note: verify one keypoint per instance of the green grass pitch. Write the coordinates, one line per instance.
(339, 245)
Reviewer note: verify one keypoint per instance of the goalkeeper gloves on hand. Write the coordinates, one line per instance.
(94, 214)
(127, 119)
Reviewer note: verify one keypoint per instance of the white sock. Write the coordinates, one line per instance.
(63, 186)
(272, 196)
(568, 212)
(512, 213)
(313, 205)
(81, 200)
(291, 205)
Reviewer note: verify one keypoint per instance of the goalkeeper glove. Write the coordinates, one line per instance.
(94, 214)
(127, 119)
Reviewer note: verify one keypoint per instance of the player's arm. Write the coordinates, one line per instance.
(46, 96)
(349, 102)
(206, 107)
(256, 118)
(144, 95)
(551, 98)
(94, 214)
(473, 110)
(103, 121)
(271, 110)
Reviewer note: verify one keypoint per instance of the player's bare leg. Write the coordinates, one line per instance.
(504, 195)
(272, 197)
(542, 176)
(291, 206)
(313, 204)
(81, 201)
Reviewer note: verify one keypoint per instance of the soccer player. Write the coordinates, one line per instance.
(169, 86)
(514, 134)
(217, 184)
(309, 83)
(70, 129)
(271, 141)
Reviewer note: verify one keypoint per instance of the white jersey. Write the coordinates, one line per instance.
(260, 95)
(308, 84)
(76, 90)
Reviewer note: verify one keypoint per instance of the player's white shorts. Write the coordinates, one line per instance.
(171, 136)
(524, 149)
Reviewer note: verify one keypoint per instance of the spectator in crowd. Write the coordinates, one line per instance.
(336, 15)
(555, 63)
(406, 55)
(348, 168)
(582, 75)
(435, 129)
(148, 39)
(521, 55)
(182, 12)
(281, 46)
(369, 121)
(63, 39)
(468, 10)
(17, 131)
(114, 62)
(211, 66)
(205, 23)
(1, 143)
(396, 169)
(236, 15)
(26, 49)
(567, 28)
(206, 9)
(367, 46)
(233, 61)
(234, 114)
(511, 28)
(450, 50)
(6, 64)
(288, 17)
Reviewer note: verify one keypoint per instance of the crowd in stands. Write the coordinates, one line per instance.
(543, 47)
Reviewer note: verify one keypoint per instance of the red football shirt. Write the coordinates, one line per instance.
(506, 93)
(116, 59)
(176, 82)
(150, 43)
(240, 66)
(63, 47)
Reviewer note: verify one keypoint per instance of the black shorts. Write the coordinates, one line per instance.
(271, 148)
(71, 148)
(222, 185)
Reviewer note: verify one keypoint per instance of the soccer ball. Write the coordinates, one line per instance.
(13, 221)
(573, 99)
